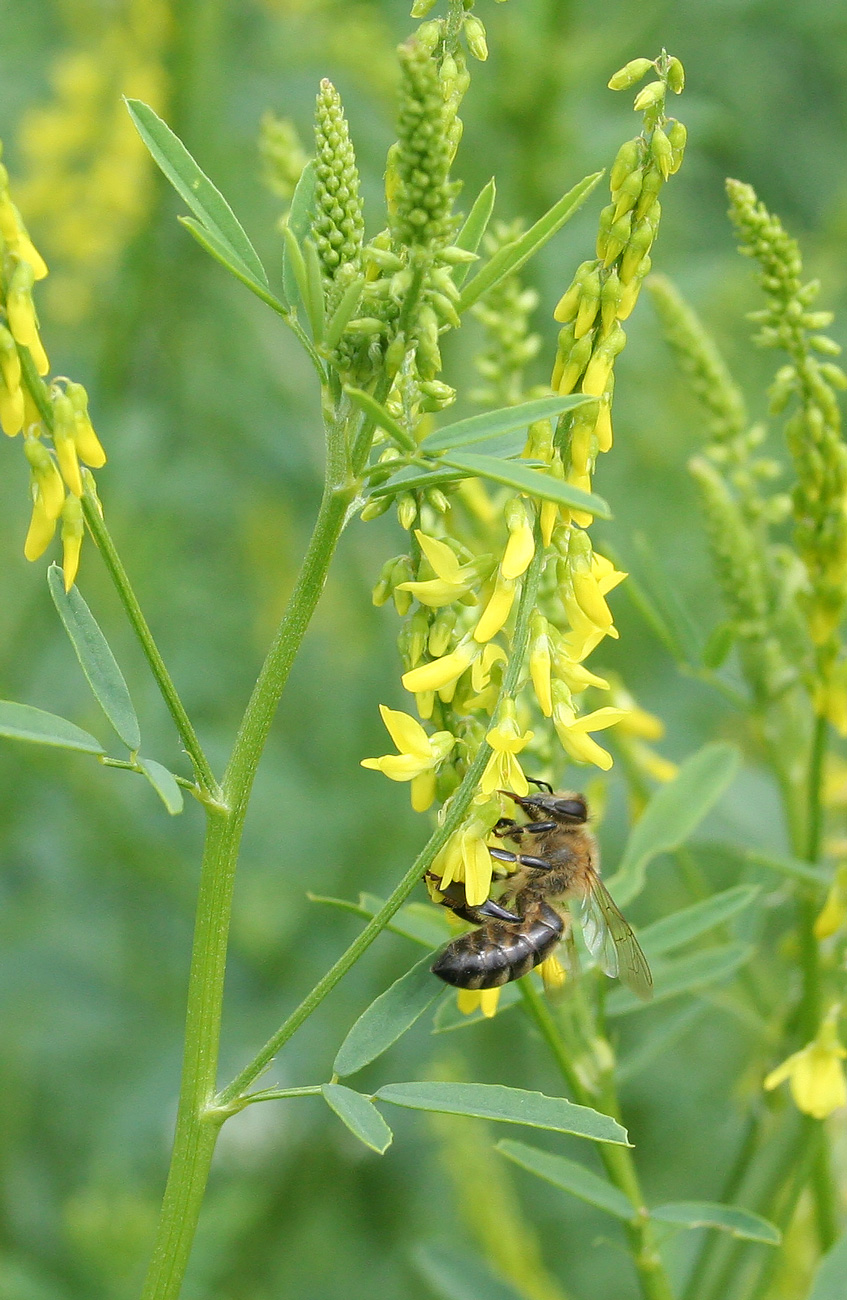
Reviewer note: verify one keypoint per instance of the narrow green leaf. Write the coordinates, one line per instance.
(360, 1115)
(690, 922)
(340, 319)
(508, 260)
(663, 594)
(470, 236)
(570, 1176)
(223, 254)
(409, 480)
(828, 1282)
(297, 263)
(508, 1106)
(192, 185)
(299, 222)
(381, 417)
(415, 921)
(456, 1273)
(96, 659)
(661, 1037)
(448, 1016)
(164, 783)
(22, 722)
(683, 975)
(718, 645)
(728, 1218)
(315, 289)
(388, 1017)
(672, 814)
(542, 486)
(655, 620)
(479, 427)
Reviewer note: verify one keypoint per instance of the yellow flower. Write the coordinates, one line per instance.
(452, 580)
(439, 673)
(573, 731)
(484, 1000)
(418, 758)
(520, 547)
(497, 610)
(552, 972)
(73, 528)
(503, 771)
(834, 912)
(815, 1072)
(540, 662)
(465, 856)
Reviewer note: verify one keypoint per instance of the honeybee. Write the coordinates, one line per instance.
(520, 929)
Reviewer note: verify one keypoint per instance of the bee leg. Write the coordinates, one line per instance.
(492, 909)
(539, 828)
(507, 828)
(522, 859)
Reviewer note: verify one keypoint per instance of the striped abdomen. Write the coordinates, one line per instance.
(499, 951)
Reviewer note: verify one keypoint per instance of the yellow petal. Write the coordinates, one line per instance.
(520, 549)
(443, 559)
(434, 592)
(467, 1000)
(477, 864)
(817, 1083)
(440, 672)
(599, 719)
(496, 611)
(406, 732)
(423, 790)
(397, 767)
(488, 1000)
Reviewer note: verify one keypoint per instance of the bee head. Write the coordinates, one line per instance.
(569, 809)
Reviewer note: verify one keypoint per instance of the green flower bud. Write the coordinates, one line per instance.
(421, 8)
(441, 631)
(436, 498)
(677, 135)
(610, 297)
(407, 511)
(628, 159)
(676, 76)
(617, 239)
(475, 37)
(374, 508)
(650, 187)
(651, 97)
(630, 74)
(660, 148)
(429, 35)
(626, 196)
(589, 303)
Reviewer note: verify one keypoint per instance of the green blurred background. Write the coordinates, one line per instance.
(209, 415)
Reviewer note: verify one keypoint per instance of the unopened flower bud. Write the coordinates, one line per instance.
(676, 76)
(630, 74)
(407, 510)
(475, 37)
(651, 97)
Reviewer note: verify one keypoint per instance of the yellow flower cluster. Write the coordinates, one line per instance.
(28, 406)
(459, 586)
(87, 175)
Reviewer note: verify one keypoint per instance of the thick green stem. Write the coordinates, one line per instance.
(197, 1123)
(618, 1160)
(128, 599)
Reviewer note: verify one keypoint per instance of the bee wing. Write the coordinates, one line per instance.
(609, 938)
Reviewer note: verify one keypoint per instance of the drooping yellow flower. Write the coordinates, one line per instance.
(419, 756)
(442, 672)
(73, 528)
(465, 856)
(497, 610)
(815, 1072)
(520, 547)
(573, 732)
(452, 581)
(503, 771)
(484, 1000)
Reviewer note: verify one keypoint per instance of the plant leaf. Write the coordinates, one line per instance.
(388, 1017)
(408, 480)
(470, 236)
(96, 659)
(476, 428)
(448, 1016)
(459, 1274)
(415, 921)
(728, 1218)
(690, 922)
(193, 185)
(684, 975)
(672, 814)
(509, 259)
(340, 319)
(508, 1106)
(794, 868)
(542, 486)
(164, 783)
(223, 254)
(300, 217)
(360, 1115)
(828, 1282)
(570, 1176)
(22, 722)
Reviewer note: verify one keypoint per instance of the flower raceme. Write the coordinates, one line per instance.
(57, 415)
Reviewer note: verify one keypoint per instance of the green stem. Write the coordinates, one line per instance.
(128, 599)
(197, 1121)
(455, 814)
(618, 1161)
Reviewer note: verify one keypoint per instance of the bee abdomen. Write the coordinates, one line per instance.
(499, 952)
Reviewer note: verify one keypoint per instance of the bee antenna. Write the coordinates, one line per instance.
(542, 785)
